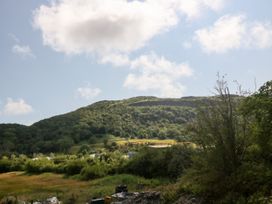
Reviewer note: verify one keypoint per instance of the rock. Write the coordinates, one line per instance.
(53, 200)
(140, 198)
(188, 199)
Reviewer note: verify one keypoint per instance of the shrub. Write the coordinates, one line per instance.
(168, 163)
(39, 166)
(97, 170)
(5, 165)
(74, 167)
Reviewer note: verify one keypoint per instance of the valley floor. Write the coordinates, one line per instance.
(37, 187)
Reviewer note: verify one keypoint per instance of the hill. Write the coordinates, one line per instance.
(138, 117)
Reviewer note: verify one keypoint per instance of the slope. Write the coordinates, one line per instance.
(138, 117)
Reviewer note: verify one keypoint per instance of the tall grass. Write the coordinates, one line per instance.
(29, 187)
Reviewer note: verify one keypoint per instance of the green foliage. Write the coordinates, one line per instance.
(84, 166)
(259, 107)
(170, 193)
(94, 171)
(84, 149)
(140, 117)
(5, 165)
(148, 163)
(233, 164)
(105, 185)
(168, 163)
(74, 167)
(13, 163)
(39, 166)
(220, 132)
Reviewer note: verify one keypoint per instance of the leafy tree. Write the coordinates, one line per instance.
(167, 163)
(178, 159)
(64, 144)
(74, 167)
(220, 131)
(259, 106)
(84, 149)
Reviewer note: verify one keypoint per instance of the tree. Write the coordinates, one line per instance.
(259, 107)
(220, 132)
(65, 143)
(84, 149)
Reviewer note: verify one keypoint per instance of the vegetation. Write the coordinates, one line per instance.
(146, 141)
(103, 172)
(226, 156)
(233, 163)
(38, 187)
(169, 163)
(166, 163)
(140, 117)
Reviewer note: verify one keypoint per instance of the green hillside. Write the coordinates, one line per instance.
(139, 117)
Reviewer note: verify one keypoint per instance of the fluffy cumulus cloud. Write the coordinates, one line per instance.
(104, 26)
(88, 93)
(152, 73)
(234, 32)
(16, 107)
(261, 35)
(23, 51)
(157, 74)
(112, 30)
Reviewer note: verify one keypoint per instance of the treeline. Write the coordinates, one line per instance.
(148, 162)
(157, 118)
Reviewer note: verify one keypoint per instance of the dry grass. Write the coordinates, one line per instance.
(38, 187)
(146, 141)
(27, 187)
(153, 142)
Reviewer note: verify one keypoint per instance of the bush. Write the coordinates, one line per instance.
(168, 163)
(39, 166)
(170, 193)
(178, 158)
(94, 171)
(74, 167)
(5, 165)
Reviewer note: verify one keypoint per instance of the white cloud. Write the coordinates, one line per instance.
(101, 25)
(87, 92)
(19, 107)
(226, 33)
(215, 4)
(194, 8)
(23, 51)
(115, 59)
(261, 35)
(104, 26)
(153, 73)
(234, 32)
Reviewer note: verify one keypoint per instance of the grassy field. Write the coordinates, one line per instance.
(28, 187)
(152, 142)
(123, 141)
(146, 141)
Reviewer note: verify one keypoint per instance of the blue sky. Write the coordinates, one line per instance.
(57, 56)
